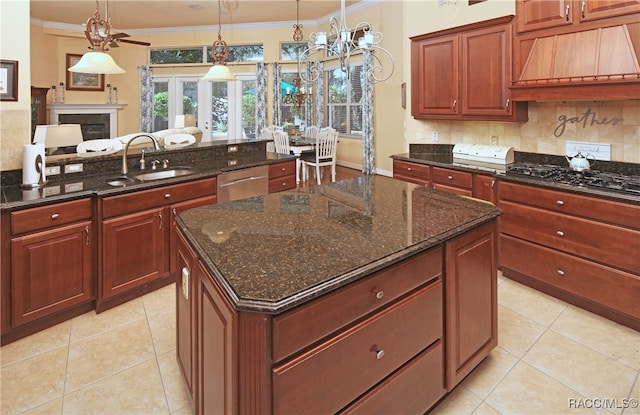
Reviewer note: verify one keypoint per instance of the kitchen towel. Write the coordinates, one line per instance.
(33, 173)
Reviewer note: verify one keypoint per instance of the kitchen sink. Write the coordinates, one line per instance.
(164, 174)
(120, 181)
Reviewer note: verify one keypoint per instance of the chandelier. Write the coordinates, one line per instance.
(297, 97)
(219, 52)
(98, 32)
(342, 43)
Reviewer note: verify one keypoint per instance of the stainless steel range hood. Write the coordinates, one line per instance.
(593, 64)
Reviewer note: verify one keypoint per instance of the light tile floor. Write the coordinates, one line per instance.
(550, 356)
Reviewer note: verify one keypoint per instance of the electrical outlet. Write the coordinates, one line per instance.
(494, 139)
(73, 168)
(434, 137)
(52, 170)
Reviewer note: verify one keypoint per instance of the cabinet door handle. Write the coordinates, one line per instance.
(508, 103)
(560, 202)
(566, 13)
(185, 282)
(160, 222)
(493, 186)
(455, 103)
(560, 272)
(559, 233)
(87, 237)
(582, 8)
(379, 293)
(174, 214)
(55, 216)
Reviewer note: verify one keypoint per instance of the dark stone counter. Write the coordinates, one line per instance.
(273, 252)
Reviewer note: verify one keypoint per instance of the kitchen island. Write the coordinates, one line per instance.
(360, 296)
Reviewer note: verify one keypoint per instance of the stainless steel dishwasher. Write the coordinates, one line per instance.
(244, 183)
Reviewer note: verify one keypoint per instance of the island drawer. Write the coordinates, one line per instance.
(601, 242)
(618, 213)
(305, 325)
(413, 389)
(337, 371)
(282, 169)
(147, 199)
(282, 183)
(50, 215)
(614, 289)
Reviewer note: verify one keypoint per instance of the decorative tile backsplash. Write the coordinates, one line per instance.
(550, 126)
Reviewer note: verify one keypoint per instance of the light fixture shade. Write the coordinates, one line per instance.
(219, 73)
(63, 135)
(96, 62)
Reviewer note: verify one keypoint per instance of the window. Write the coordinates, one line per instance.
(173, 56)
(290, 51)
(243, 53)
(290, 113)
(344, 100)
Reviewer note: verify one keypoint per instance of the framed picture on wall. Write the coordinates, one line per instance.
(77, 81)
(8, 80)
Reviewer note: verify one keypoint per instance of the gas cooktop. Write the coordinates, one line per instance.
(605, 181)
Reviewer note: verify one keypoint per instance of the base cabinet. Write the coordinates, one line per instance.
(396, 341)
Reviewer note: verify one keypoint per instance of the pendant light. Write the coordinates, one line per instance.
(98, 32)
(297, 97)
(219, 72)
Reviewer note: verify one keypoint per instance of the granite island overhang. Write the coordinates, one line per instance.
(332, 266)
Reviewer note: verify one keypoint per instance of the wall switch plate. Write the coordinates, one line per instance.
(434, 137)
(51, 191)
(599, 151)
(73, 187)
(494, 140)
(73, 168)
(52, 171)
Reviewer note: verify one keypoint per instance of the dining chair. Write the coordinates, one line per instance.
(311, 132)
(267, 134)
(281, 142)
(324, 155)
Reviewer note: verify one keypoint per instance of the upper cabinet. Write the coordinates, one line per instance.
(465, 73)
(576, 50)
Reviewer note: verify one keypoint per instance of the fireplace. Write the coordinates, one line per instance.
(93, 126)
(96, 120)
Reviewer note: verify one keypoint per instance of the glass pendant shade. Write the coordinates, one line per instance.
(96, 62)
(219, 72)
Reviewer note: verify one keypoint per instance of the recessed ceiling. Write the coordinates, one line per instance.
(145, 14)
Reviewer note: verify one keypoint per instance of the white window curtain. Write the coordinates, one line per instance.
(261, 96)
(145, 120)
(368, 147)
(319, 94)
(277, 94)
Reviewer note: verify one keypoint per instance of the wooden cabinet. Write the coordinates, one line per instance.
(49, 268)
(465, 73)
(584, 250)
(412, 172)
(282, 176)
(484, 187)
(544, 14)
(452, 181)
(38, 108)
(136, 238)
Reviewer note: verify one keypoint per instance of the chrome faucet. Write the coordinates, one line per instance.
(125, 169)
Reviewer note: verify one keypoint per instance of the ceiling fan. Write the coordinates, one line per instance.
(98, 31)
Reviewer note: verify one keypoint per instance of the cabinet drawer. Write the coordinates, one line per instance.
(360, 357)
(601, 242)
(305, 325)
(282, 169)
(609, 287)
(452, 189)
(282, 183)
(618, 213)
(146, 199)
(452, 178)
(50, 215)
(422, 172)
(411, 390)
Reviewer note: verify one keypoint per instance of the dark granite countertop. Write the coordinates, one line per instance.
(273, 252)
(94, 180)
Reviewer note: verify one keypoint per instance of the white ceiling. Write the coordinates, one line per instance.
(145, 14)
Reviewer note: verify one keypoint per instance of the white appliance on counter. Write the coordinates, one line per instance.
(483, 156)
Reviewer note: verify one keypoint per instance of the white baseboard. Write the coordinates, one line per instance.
(359, 167)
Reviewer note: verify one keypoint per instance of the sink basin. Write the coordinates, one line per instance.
(120, 181)
(164, 174)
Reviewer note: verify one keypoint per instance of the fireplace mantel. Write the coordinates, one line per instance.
(112, 109)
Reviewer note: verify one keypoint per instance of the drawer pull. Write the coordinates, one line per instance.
(55, 216)
(185, 282)
(284, 184)
(283, 169)
(167, 195)
(450, 177)
(379, 294)
(379, 352)
(560, 272)
(560, 202)
(408, 168)
(560, 233)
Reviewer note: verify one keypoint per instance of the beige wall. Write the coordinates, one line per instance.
(394, 127)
